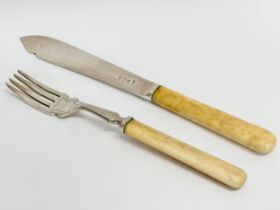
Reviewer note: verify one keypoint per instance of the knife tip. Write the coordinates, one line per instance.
(30, 42)
(26, 41)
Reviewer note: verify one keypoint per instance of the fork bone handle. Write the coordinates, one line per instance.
(240, 131)
(218, 169)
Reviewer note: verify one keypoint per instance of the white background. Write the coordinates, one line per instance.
(224, 53)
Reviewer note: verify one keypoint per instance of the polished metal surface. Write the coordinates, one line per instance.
(70, 57)
(53, 102)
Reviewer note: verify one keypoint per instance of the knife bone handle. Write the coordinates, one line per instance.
(240, 131)
(216, 168)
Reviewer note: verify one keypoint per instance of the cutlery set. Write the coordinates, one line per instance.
(53, 102)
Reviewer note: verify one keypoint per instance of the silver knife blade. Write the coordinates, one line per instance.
(75, 59)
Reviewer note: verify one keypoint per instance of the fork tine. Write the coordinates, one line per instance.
(36, 88)
(31, 93)
(27, 99)
(45, 87)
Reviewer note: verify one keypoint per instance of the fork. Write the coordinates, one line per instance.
(53, 102)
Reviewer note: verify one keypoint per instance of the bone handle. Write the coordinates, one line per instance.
(240, 131)
(216, 168)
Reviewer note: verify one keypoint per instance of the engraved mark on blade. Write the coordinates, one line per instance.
(126, 80)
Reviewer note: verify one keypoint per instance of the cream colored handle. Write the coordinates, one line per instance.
(240, 131)
(201, 161)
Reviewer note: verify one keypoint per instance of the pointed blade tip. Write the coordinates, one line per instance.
(26, 41)
(30, 42)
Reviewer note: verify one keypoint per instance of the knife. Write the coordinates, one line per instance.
(65, 55)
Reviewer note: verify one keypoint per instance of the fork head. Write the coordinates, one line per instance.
(42, 97)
